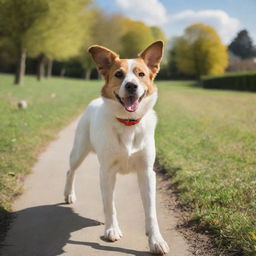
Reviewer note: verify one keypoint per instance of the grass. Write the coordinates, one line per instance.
(24, 133)
(206, 139)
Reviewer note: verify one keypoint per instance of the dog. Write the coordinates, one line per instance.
(119, 127)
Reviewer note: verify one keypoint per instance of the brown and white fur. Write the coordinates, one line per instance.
(128, 93)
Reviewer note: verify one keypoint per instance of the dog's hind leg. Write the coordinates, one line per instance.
(80, 150)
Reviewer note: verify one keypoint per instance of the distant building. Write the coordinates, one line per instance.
(236, 64)
(232, 57)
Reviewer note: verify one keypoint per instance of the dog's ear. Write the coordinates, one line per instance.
(152, 56)
(103, 57)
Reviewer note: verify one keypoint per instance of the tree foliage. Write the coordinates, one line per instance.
(62, 32)
(200, 51)
(120, 34)
(158, 34)
(106, 30)
(136, 37)
(55, 29)
(242, 45)
(16, 20)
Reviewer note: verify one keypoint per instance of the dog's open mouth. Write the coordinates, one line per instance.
(130, 102)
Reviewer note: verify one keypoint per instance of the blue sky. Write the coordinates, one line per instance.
(227, 16)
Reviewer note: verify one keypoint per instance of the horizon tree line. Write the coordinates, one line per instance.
(62, 30)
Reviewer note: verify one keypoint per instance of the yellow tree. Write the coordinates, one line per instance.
(107, 30)
(104, 30)
(200, 51)
(136, 37)
(61, 33)
(120, 34)
(158, 34)
(16, 20)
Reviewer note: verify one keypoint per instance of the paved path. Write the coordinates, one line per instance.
(44, 226)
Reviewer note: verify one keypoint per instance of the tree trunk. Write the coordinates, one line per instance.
(99, 77)
(87, 74)
(49, 68)
(62, 71)
(21, 67)
(40, 67)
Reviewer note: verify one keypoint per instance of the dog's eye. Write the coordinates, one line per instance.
(119, 74)
(141, 74)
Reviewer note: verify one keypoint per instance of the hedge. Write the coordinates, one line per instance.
(233, 81)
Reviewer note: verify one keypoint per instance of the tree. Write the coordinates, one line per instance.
(172, 67)
(46, 29)
(158, 34)
(106, 30)
(17, 17)
(200, 51)
(242, 45)
(86, 63)
(60, 34)
(136, 37)
(119, 34)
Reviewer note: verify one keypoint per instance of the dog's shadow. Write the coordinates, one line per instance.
(45, 230)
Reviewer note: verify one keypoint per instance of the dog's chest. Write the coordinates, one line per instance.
(128, 142)
(126, 149)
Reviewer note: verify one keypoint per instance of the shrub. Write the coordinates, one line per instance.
(233, 81)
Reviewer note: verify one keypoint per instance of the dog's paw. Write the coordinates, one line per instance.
(70, 198)
(113, 234)
(157, 245)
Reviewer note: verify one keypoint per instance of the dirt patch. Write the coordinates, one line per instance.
(199, 240)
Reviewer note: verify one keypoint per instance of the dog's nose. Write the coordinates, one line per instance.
(131, 87)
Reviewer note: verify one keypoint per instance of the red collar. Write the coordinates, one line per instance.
(128, 122)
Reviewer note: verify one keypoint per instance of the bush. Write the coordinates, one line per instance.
(233, 81)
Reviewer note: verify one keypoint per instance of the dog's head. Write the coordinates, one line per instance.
(128, 81)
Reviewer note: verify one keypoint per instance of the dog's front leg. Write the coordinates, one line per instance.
(107, 183)
(147, 184)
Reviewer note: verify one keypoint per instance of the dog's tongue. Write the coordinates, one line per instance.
(131, 103)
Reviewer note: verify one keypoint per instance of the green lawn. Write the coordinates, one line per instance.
(24, 133)
(206, 139)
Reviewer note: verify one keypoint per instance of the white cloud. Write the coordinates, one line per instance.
(152, 12)
(220, 20)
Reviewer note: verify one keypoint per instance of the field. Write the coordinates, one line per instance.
(206, 140)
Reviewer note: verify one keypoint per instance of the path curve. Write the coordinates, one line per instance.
(44, 226)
